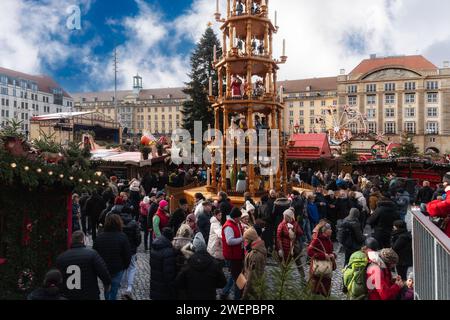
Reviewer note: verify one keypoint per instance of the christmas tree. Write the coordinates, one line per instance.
(198, 108)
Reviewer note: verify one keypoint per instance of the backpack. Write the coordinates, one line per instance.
(354, 276)
(345, 235)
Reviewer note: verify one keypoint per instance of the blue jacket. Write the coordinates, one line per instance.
(313, 213)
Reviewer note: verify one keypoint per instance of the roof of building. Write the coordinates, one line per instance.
(417, 62)
(312, 146)
(44, 83)
(314, 84)
(145, 94)
(60, 115)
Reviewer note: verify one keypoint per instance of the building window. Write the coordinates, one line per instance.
(389, 113)
(372, 126)
(371, 100)
(301, 103)
(301, 122)
(352, 100)
(389, 87)
(410, 86)
(301, 113)
(410, 112)
(410, 127)
(323, 112)
(311, 103)
(371, 87)
(389, 128)
(291, 104)
(432, 97)
(432, 139)
(371, 113)
(311, 112)
(334, 102)
(291, 113)
(353, 126)
(432, 112)
(432, 85)
(389, 99)
(323, 103)
(4, 91)
(352, 89)
(432, 128)
(410, 98)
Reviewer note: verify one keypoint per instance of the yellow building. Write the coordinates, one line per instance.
(157, 111)
(309, 104)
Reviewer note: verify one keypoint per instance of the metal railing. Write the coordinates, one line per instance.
(431, 259)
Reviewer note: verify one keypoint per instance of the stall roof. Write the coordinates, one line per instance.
(126, 158)
(309, 147)
(60, 115)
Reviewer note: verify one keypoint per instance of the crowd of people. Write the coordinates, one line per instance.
(216, 246)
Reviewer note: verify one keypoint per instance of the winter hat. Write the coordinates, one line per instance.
(411, 276)
(160, 194)
(325, 227)
(250, 235)
(146, 200)
(235, 213)
(249, 206)
(289, 213)
(198, 244)
(372, 244)
(119, 200)
(244, 213)
(191, 218)
(135, 186)
(330, 192)
(389, 256)
(163, 203)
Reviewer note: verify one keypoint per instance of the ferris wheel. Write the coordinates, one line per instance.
(340, 125)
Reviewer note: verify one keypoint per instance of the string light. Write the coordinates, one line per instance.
(50, 173)
(61, 176)
(38, 170)
(70, 178)
(98, 173)
(26, 168)
(96, 182)
(89, 181)
(80, 180)
(13, 165)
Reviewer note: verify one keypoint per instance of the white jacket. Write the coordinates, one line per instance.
(215, 239)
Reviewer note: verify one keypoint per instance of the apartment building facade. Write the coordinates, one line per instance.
(23, 96)
(157, 111)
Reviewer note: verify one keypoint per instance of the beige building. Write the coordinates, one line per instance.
(157, 111)
(400, 94)
(309, 104)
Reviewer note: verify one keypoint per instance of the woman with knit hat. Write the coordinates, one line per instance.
(245, 220)
(254, 263)
(321, 251)
(287, 241)
(380, 283)
(250, 208)
(161, 218)
(144, 206)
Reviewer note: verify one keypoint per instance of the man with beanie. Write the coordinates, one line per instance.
(201, 276)
(380, 284)
(402, 245)
(350, 235)
(233, 245)
(254, 263)
(203, 220)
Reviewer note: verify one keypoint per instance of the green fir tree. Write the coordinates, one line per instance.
(198, 107)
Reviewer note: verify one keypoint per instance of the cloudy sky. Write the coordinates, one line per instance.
(155, 38)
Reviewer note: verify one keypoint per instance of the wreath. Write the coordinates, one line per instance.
(25, 281)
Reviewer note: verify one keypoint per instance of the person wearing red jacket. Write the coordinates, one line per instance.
(441, 208)
(321, 248)
(161, 218)
(233, 247)
(288, 240)
(380, 283)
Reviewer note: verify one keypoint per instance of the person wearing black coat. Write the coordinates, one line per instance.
(163, 267)
(203, 220)
(424, 195)
(350, 234)
(265, 214)
(94, 207)
(114, 247)
(332, 215)
(51, 288)
(402, 244)
(382, 221)
(179, 215)
(298, 204)
(200, 278)
(342, 206)
(225, 206)
(85, 225)
(89, 266)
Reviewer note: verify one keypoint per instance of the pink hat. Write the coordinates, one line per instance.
(163, 203)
